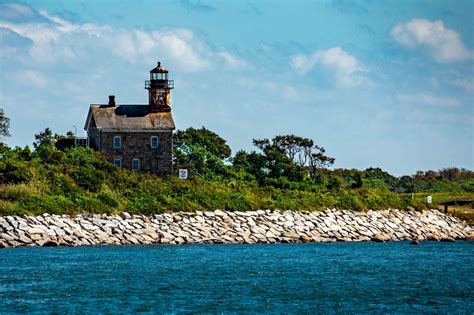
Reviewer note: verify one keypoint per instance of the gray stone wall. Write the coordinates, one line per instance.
(262, 226)
(136, 145)
(94, 138)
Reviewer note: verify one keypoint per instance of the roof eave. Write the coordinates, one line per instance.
(136, 129)
(88, 119)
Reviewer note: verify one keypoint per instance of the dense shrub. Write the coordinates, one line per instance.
(142, 203)
(347, 200)
(49, 204)
(14, 172)
(107, 199)
(81, 180)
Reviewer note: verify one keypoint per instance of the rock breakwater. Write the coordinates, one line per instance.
(262, 226)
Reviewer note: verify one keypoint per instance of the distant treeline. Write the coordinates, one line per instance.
(293, 162)
(286, 172)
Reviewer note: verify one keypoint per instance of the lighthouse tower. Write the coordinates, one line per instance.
(159, 88)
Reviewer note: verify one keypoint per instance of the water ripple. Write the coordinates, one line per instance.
(278, 278)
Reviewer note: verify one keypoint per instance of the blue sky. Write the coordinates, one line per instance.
(385, 84)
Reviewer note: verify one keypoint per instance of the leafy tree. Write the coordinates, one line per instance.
(201, 151)
(318, 159)
(295, 147)
(277, 161)
(4, 129)
(44, 138)
(4, 124)
(335, 183)
(358, 180)
(252, 163)
(303, 152)
(378, 178)
(286, 156)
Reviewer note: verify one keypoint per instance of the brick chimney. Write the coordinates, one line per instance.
(111, 100)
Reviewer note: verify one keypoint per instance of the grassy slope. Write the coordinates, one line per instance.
(80, 181)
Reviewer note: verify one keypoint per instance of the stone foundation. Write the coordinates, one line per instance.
(262, 226)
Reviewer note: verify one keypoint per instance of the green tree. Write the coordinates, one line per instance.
(44, 138)
(358, 180)
(4, 126)
(318, 159)
(378, 178)
(295, 147)
(201, 151)
(287, 156)
(277, 161)
(304, 152)
(47, 138)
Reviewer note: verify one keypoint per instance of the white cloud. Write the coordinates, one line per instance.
(444, 44)
(181, 46)
(232, 61)
(346, 68)
(59, 41)
(30, 78)
(467, 84)
(428, 99)
(17, 12)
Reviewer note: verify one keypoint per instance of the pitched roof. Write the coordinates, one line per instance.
(128, 117)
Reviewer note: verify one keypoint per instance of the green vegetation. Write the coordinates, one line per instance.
(286, 172)
(4, 127)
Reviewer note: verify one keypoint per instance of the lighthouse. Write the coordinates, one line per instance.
(159, 89)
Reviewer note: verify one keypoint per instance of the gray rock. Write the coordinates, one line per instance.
(219, 226)
(36, 237)
(36, 230)
(125, 216)
(24, 239)
(7, 237)
(220, 213)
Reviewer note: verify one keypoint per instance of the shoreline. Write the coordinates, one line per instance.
(261, 226)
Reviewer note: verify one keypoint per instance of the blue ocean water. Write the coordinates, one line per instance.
(279, 278)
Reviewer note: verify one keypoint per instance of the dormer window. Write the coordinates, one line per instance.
(117, 142)
(154, 142)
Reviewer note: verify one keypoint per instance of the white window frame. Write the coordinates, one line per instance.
(133, 165)
(119, 142)
(157, 142)
(119, 164)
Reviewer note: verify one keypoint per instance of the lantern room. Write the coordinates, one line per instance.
(159, 78)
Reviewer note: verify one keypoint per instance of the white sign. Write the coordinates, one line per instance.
(429, 199)
(183, 173)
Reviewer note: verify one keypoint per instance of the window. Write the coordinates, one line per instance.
(154, 142)
(118, 163)
(159, 76)
(135, 164)
(117, 142)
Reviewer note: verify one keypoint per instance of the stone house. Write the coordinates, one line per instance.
(137, 137)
